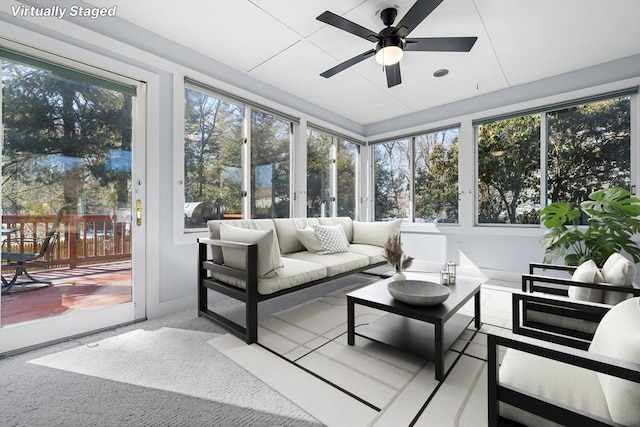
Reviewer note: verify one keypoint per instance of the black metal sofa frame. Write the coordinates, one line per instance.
(250, 295)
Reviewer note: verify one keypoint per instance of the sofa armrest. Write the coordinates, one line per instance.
(249, 275)
(524, 400)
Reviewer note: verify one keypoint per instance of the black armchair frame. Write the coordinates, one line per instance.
(555, 301)
(500, 392)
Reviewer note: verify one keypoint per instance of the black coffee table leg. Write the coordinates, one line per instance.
(439, 351)
(477, 309)
(350, 322)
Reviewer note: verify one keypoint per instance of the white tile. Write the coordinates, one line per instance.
(324, 402)
(292, 332)
(475, 412)
(446, 406)
(364, 386)
(367, 364)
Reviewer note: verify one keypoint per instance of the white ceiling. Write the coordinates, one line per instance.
(281, 43)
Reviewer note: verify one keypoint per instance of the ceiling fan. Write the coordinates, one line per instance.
(391, 42)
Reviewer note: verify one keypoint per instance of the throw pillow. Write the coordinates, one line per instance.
(375, 233)
(268, 259)
(332, 238)
(619, 271)
(307, 236)
(587, 272)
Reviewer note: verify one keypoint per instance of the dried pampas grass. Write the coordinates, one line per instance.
(394, 255)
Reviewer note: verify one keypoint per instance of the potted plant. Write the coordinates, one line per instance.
(612, 221)
(394, 255)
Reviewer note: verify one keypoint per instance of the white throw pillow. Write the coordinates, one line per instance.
(587, 272)
(619, 271)
(375, 233)
(309, 240)
(332, 238)
(268, 259)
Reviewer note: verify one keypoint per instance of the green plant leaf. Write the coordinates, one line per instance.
(558, 214)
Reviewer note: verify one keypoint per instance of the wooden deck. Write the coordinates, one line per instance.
(73, 290)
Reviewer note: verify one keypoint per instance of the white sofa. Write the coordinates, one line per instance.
(258, 259)
(546, 384)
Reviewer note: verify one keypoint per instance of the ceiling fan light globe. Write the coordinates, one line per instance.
(389, 55)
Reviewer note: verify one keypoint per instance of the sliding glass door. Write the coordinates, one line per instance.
(72, 199)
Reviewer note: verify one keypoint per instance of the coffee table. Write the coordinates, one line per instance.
(425, 331)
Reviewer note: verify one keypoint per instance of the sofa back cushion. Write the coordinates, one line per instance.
(250, 224)
(286, 228)
(618, 336)
(345, 221)
(375, 233)
(619, 271)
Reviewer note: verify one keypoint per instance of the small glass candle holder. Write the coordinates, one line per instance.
(444, 277)
(451, 268)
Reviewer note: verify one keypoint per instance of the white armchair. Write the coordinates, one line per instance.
(545, 384)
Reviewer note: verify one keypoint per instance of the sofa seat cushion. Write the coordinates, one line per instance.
(335, 263)
(375, 253)
(295, 272)
(287, 228)
(559, 382)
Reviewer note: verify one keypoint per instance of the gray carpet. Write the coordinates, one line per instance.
(34, 395)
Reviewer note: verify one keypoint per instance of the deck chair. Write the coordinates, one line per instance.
(22, 260)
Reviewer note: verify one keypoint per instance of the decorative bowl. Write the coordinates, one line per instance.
(418, 292)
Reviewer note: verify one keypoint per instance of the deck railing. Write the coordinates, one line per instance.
(82, 240)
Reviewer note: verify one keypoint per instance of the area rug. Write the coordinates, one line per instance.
(175, 360)
(303, 354)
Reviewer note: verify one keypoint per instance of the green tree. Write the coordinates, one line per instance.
(436, 177)
(508, 167)
(60, 138)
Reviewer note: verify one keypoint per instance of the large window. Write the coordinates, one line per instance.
(226, 140)
(212, 159)
(270, 166)
(331, 175)
(425, 188)
(436, 177)
(586, 147)
(392, 180)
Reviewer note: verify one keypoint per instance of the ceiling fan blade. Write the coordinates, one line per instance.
(348, 63)
(348, 26)
(393, 74)
(440, 44)
(420, 10)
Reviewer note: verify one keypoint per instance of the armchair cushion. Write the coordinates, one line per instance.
(618, 336)
(587, 272)
(617, 270)
(555, 381)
